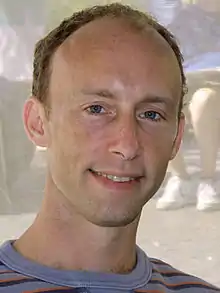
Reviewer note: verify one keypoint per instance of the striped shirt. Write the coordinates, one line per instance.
(19, 275)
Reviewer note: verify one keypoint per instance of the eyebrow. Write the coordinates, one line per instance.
(151, 98)
(100, 92)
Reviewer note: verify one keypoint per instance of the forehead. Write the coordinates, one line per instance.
(113, 48)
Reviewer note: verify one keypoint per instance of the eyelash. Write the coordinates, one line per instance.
(88, 109)
(154, 112)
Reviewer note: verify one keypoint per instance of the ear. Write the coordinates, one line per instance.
(179, 136)
(34, 122)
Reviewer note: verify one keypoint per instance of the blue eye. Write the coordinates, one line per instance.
(95, 109)
(152, 115)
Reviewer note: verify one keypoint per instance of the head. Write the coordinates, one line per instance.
(108, 89)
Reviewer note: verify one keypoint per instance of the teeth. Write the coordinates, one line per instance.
(116, 178)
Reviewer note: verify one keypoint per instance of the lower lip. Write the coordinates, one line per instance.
(115, 185)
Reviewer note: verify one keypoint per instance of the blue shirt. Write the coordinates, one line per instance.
(20, 275)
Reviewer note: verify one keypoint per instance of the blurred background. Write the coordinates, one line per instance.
(181, 223)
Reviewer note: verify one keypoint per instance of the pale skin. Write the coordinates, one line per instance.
(114, 100)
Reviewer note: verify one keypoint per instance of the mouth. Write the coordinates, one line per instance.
(124, 178)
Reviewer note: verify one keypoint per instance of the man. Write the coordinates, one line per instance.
(107, 97)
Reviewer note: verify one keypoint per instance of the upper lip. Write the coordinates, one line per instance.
(119, 174)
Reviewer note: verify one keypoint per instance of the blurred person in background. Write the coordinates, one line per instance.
(199, 37)
(20, 27)
(24, 24)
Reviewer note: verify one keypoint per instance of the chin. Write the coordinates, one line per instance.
(111, 220)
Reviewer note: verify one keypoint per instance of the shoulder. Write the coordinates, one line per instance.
(10, 280)
(176, 280)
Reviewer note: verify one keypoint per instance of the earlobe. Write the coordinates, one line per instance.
(34, 122)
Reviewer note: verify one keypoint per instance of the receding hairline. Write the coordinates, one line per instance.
(158, 42)
(124, 24)
(125, 21)
(51, 43)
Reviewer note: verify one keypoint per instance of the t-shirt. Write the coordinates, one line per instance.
(18, 274)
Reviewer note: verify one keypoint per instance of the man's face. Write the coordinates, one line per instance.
(113, 125)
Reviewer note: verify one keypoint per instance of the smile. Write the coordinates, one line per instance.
(115, 178)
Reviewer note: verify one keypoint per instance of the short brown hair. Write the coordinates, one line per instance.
(46, 47)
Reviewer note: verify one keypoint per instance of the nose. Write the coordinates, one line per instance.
(125, 141)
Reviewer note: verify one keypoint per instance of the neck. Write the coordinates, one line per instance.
(62, 239)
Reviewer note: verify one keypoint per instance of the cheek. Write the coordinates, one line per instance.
(158, 142)
(79, 138)
(95, 134)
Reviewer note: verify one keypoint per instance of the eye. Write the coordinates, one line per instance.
(95, 109)
(152, 115)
